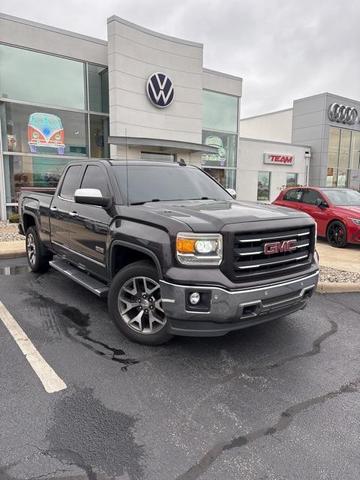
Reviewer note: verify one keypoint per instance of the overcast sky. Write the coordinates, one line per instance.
(283, 49)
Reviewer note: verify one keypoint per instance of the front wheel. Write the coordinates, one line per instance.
(37, 256)
(135, 304)
(336, 234)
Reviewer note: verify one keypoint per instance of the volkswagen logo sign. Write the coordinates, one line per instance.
(160, 90)
(342, 114)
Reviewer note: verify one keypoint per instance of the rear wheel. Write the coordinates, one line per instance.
(135, 304)
(37, 255)
(336, 234)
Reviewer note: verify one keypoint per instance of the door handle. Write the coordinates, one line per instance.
(53, 209)
(73, 214)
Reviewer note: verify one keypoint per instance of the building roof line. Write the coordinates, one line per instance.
(61, 31)
(223, 74)
(268, 113)
(115, 18)
(272, 141)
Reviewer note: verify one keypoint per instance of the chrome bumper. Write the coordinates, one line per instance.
(235, 309)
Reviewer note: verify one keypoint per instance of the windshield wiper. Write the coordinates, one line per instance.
(146, 201)
(171, 200)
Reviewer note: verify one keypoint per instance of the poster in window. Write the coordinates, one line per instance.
(45, 130)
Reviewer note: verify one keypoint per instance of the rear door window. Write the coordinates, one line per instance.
(71, 182)
(293, 195)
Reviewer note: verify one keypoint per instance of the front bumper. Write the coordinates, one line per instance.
(233, 309)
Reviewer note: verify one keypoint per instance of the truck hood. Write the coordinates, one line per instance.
(202, 215)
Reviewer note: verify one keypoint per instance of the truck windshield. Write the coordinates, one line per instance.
(163, 183)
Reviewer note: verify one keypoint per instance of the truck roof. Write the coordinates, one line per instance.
(143, 163)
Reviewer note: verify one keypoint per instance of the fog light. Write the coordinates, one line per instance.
(194, 298)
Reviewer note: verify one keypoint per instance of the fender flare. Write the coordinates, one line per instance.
(30, 214)
(139, 248)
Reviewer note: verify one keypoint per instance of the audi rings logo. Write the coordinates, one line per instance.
(342, 114)
(160, 90)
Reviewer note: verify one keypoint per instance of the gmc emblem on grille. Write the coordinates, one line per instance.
(280, 247)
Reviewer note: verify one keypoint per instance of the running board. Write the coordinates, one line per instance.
(92, 284)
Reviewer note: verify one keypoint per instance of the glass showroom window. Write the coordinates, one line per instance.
(99, 132)
(30, 171)
(98, 88)
(30, 129)
(226, 149)
(333, 156)
(220, 112)
(263, 190)
(41, 78)
(355, 151)
(344, 158)
(291, 179)
(226, 177)
(220, 124)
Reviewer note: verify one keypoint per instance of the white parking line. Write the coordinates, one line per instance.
(48, 377)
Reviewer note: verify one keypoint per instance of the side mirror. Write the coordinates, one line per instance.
(321, 203)
(232, 192)
(91, 196)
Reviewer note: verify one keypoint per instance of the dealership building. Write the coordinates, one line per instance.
(328, 124)
(142, 94)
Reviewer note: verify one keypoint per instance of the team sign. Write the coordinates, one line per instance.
(279, 159)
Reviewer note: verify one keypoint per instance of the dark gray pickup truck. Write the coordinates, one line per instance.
(172, 250)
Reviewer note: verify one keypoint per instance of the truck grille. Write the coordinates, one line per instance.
(272, 254)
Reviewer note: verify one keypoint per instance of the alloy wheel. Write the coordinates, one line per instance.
(140, 305)
(337, 235)
(31, 249)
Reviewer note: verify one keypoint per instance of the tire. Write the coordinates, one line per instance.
(37, 255)
(134, 303)
(336, 234)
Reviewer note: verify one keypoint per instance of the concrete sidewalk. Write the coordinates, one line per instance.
(347, 259)
(12, 249)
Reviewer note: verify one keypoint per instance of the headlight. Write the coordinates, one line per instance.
(199, 248)
(356, 221)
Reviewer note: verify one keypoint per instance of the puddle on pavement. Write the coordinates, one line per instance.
(76, 326)
(15, 270)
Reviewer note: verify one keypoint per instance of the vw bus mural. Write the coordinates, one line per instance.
(45, 130)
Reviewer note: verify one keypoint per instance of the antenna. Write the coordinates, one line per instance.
(127, 168)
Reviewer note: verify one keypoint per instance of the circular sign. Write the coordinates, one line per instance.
(160, 90)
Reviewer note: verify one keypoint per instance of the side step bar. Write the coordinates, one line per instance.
(92, 284)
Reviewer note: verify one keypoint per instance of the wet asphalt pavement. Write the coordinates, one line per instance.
(279, 401)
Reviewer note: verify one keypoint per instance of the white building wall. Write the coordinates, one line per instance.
(134, 53)
(251, 161)
(222, 82)
(274, 126)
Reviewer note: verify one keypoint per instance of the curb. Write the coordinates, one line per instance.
(329, 287)
(12, 249)
(9, 255)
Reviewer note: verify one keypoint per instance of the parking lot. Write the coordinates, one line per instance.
(277, 401)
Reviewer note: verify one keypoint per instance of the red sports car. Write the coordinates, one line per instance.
(335, 210)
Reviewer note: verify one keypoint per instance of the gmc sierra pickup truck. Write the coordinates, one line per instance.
(172, 250)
